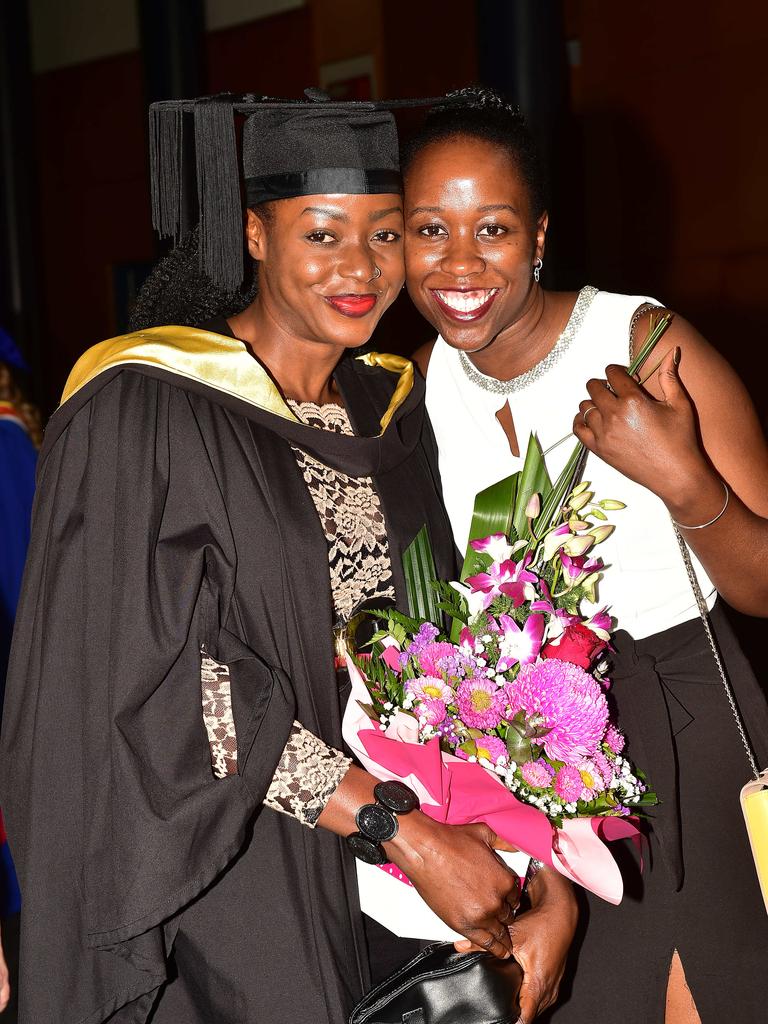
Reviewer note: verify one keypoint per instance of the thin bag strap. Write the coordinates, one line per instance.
(701, 604)
(704, 613)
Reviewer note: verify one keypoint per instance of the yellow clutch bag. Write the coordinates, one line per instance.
(754, 804)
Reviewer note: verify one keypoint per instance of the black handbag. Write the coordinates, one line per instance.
(441, 986)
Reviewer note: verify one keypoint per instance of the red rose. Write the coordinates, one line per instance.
(578, 645)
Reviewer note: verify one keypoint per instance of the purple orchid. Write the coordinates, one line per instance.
(578, 567)
(519, 645)
(510, 578)
(601, 624)
(560, 619)
(496, 546)
(554, 540)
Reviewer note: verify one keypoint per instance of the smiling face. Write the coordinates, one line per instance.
(330, 265)
(471, 240)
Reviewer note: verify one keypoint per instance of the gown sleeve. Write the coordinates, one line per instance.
(114, 816)
(309, 770)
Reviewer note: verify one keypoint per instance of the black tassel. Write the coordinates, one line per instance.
(218, 192)
(166, 123)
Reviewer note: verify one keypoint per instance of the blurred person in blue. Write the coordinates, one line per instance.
(19, 437)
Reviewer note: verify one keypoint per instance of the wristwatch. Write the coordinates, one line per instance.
(377, 823)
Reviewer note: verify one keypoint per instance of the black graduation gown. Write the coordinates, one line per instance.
(171, 514)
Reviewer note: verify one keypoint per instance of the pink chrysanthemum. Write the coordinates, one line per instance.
(432, 653)
(479, 704)
(427, 688)
(569, 784)
(592, 779)
(614, 739)
(564, 699)
(492, 749)
(432, 711)
(538, 774)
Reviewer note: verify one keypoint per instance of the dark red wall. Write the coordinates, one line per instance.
(92, 172)
(94, 204)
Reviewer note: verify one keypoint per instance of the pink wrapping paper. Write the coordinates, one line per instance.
(459, 793)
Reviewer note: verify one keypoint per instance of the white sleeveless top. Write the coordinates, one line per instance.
(646, 587)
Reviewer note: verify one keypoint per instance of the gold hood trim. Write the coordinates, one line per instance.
(216, 360)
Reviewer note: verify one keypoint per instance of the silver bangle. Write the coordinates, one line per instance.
(703, 526)
(534, 867)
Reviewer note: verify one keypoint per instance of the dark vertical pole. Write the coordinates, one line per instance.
(522, 53)
(172, 46)
(19, 293)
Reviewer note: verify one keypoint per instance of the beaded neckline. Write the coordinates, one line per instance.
(509, 387)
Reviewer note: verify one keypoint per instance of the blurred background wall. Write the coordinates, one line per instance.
(650, 116)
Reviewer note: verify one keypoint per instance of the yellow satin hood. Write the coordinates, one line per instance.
(219, 361)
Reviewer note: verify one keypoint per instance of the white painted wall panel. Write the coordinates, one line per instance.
(226, 13)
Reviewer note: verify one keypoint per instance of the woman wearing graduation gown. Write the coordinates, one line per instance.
(173, 662)
(690, 939)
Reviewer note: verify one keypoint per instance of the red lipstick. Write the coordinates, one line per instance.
(352, 305)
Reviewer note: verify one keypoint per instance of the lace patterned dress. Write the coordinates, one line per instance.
(358, 560)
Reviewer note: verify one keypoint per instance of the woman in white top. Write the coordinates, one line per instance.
(512, 359)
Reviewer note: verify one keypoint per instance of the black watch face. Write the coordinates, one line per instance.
(366, 849)
(396, 796)
(376, 822)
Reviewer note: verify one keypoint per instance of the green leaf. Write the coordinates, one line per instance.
(420, 575)
(657, 325)
(492, 514)
(518, 747)
(563, 486)
(370, 711)
(518, 722)
(534, 479)
(399, 634)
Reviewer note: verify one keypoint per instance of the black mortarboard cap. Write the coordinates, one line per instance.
(290, 148)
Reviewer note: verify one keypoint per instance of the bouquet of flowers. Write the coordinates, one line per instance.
(502, 717)
(522, 693)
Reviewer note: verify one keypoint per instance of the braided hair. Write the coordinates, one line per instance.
(480, 113)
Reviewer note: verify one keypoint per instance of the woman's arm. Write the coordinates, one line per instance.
(690, 429)
(453, 867)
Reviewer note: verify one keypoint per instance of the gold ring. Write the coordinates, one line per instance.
(586, 413)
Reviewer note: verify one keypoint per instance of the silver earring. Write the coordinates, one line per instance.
(537, 269)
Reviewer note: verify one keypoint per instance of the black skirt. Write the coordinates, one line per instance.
(698, 892)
